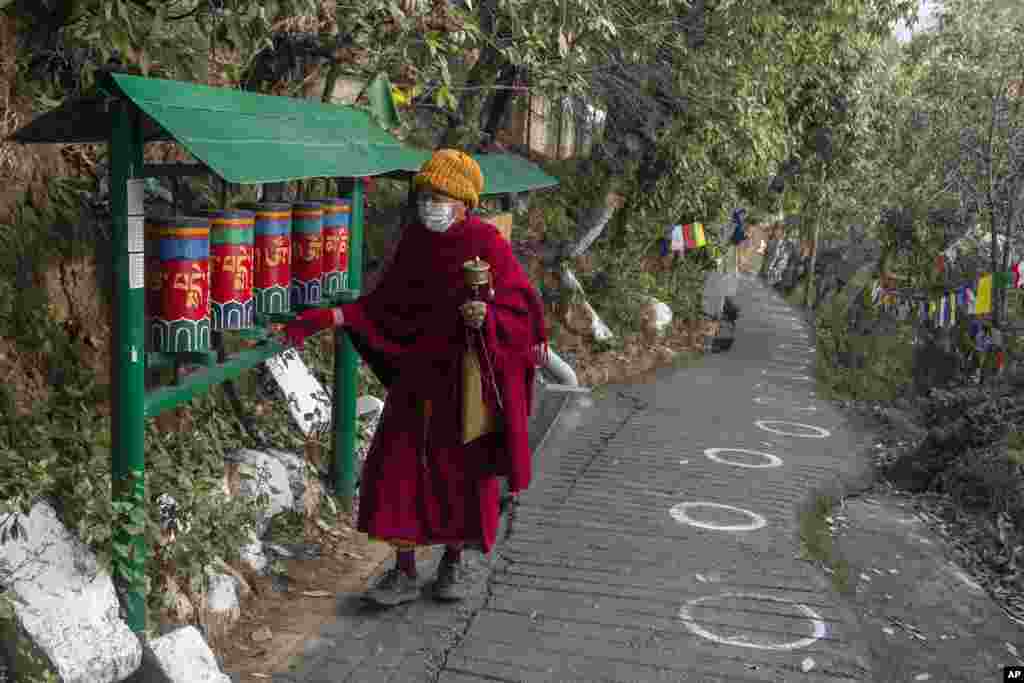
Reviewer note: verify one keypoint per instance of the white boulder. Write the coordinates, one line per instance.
(655, 315)
(181, 656)
(253, 555)
(264, 473)
(298, 471)
(65, 603)
(369, 406)
(220, 606)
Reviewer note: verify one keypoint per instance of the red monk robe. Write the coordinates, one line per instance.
(420, 484)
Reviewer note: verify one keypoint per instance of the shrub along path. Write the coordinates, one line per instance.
(661, 542)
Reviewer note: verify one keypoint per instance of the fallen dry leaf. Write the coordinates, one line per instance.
(317, 594)
(262, 634)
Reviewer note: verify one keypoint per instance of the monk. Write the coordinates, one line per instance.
(421, 484)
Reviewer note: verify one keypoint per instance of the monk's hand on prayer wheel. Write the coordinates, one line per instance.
(310, 322)
(474, 313)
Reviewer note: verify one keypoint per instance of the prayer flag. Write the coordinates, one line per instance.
(1018, 275)
(983, 304)
(698, 234)
(691, 242)
(675, 236)
(1001, 280)
(952, 309)
(971, 300)
(940, 263)
(931, 310)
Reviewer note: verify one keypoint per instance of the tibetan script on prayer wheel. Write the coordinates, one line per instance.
(272, 252)
(232, 305)
(307, 253)
(177, 283)
(337, 213)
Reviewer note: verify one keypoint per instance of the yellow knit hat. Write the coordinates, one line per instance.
(453, 174)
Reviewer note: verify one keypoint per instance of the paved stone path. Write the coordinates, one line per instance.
(658, 542)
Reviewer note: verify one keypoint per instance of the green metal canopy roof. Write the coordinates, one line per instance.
(510, 173)
(249, 138)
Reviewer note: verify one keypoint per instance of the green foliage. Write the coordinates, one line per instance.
(887, 359)
(816, 541)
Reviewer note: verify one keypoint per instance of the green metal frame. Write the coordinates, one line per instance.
(127, 112)
(132, 403)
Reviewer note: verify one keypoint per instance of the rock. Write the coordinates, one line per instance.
(253, 556)
(244, 590)
(181, 656)
(219, 608)
(65, 603)
(369, 406)
(655, 317)
(277, 483)
(298, 472)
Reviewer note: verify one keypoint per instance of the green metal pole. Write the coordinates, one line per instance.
(346, 363)
(128, 363)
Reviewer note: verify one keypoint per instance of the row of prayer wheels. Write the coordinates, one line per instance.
(215, 271)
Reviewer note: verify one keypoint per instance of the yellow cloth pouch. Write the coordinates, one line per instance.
(478, 419)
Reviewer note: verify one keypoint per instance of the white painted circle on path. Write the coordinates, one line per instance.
(778, 358)
(680, 514)
(797, 347)
(802, 378)
(818, 432)
(771, 460)
(791, 367)
(819, 628)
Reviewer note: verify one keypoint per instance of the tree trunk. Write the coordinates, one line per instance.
(499, 105)
(488, 66)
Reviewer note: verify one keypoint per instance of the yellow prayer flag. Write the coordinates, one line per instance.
(698, 234)
(984, 301)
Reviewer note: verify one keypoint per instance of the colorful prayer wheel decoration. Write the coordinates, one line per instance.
(232, 305)
(337, 218)
(272, 257)
(179, 290)
(307, 253)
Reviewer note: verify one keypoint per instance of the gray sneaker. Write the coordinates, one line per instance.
(451, 582)
(395, 587)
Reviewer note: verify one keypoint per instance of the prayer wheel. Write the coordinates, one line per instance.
(272, 257)
(337, 217)
(179, 289)
(307, 252)
(232, 306)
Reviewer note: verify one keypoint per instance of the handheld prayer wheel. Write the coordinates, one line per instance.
(337, 215)
(477, 274)
(179, 288)
(307, 252)
(232, 306)
(272, 256)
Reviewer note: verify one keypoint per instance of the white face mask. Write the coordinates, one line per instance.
(437, 216)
